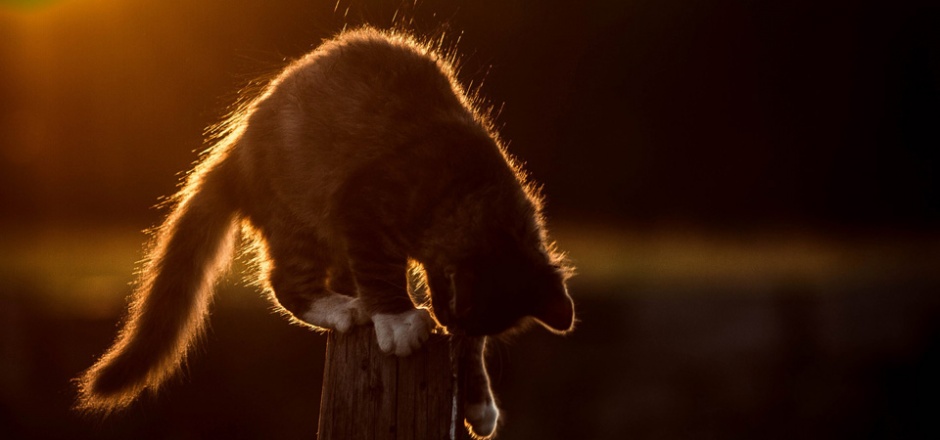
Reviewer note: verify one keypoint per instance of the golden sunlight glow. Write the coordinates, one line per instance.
(85, 76)
(27, 4)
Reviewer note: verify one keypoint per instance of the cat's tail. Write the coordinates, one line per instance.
(169, 305)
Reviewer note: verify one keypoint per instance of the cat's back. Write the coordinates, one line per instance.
(367, 72)
(359, 95)
(354, 101)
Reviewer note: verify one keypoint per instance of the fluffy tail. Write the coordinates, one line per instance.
(172, 296)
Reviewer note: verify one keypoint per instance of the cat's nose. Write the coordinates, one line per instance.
(474, 328)
(462, 326)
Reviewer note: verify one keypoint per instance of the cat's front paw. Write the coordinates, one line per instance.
(482, 417)
(403, 333)
(335, 311)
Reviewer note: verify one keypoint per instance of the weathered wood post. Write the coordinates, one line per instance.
(370, 395)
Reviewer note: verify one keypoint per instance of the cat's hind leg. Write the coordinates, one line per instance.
(400, 327)
(335, 311)
(298, 274)
(403, 333)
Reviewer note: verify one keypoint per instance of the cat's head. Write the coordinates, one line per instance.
(489, 294)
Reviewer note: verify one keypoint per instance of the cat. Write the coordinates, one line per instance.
(362, 157)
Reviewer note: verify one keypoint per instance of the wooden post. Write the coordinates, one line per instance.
(370, 395)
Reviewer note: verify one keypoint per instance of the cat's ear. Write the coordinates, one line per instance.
(556, 311)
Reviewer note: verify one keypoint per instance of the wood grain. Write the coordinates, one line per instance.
(370, 395)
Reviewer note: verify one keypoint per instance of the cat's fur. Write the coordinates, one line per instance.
(358, 158)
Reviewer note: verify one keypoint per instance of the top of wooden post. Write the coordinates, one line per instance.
(368, 394)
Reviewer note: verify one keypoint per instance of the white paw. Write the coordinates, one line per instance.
(403, 333)
(335, 311)
(482, 418)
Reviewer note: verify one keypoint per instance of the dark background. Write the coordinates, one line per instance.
(748, 188)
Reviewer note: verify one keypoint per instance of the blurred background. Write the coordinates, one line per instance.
(748, 188)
